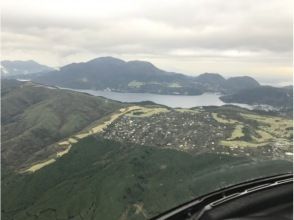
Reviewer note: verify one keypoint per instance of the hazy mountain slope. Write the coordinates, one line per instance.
(213, 78)
(241, 82)
(20, 68)
(263, 95)
(212, 82)
(34, 117)
(102, 179)
(133, 76)
(108, 72)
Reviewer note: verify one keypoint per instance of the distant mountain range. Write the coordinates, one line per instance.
(20, 68)
(108, 73)
(138, 76)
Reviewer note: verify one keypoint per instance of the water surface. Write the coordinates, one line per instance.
(174, 101)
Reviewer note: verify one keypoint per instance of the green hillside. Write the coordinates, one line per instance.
(34, 117)
(103, 179)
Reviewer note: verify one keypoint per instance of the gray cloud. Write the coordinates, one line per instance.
(191, 36)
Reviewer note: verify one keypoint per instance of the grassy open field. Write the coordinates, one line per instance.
(223, 119)
(146, 112)
(237, 133)
(255, 130)
(273, 125)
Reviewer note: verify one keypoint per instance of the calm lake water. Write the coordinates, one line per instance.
(183, 101)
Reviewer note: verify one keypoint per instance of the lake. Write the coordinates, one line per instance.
(174, 101)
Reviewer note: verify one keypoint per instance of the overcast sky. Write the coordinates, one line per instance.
(231, 37)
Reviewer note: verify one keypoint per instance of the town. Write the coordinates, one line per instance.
(200, 130)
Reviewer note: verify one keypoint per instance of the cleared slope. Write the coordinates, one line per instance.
(34, 117)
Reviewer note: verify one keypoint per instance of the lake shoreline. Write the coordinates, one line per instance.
(173, 101)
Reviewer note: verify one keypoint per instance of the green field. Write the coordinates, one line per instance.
(254, 130)
(146, 112)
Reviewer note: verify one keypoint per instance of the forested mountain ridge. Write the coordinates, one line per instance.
(139, 76)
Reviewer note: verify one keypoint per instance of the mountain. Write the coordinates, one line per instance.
(22, 68)
(214, 82)
(211, 82)
(134, 76)
(212, 78)
(263, 95)
(118, 75)
(35, 117)
(241, 82)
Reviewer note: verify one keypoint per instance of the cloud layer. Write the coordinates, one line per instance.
(192, 36)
